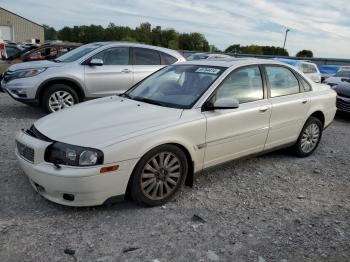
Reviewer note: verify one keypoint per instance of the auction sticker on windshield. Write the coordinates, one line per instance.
(208, 70)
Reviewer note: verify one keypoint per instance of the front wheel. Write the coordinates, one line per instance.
(58, 97)
(159, 175)
(309, 137)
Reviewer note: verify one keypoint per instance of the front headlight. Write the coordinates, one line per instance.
(27, 72)
(70, 155)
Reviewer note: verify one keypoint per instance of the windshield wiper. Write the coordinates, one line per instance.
(125, 95)
(57, 61)
(149, 101)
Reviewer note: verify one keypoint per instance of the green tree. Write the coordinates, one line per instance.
(144, 33)
(50, 33)
(193, 41)
(305, 53)
(256, 50)
(236, 49)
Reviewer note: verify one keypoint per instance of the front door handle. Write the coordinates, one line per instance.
(263, 109)
(126, 71)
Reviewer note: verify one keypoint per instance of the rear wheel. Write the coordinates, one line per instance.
(159, 175)
(58, 97)
(309, 137)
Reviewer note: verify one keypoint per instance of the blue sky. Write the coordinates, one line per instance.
(322, 26)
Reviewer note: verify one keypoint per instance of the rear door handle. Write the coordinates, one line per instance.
(304, 101)
(126, 71)
(263, 109)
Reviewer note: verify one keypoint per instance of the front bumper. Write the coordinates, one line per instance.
(86, 184)
(22, 91)
(343, 104)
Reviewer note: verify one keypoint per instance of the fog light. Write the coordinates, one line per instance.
(68, 197)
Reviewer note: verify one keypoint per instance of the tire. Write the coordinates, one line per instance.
(309, 138)
(154, 186)
(63, 95)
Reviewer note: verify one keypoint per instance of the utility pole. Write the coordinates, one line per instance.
(285, 38)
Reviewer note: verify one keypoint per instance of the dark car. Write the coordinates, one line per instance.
(343, 97)
(47, 52)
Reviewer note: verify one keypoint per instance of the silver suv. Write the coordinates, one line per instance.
(90, 71)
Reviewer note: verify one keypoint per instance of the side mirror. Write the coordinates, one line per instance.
(96, 62)
(226, 103)
(222, 103)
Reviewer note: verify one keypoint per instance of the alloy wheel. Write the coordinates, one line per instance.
(310, 138)
(161, 175)
(60, 100)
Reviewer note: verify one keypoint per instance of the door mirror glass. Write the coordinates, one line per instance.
(226, 103)
(96, 62)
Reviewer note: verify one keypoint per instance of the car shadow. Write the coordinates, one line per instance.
(20, 111)
(342, 117)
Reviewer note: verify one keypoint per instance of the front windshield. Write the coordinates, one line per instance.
(343, 73)
(78, 53)
(178, 86)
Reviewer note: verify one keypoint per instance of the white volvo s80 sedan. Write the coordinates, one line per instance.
(150, 140)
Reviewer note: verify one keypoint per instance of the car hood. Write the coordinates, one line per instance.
(105, 121)
(35, 64)
(343, 89)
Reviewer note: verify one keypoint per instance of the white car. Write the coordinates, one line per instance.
(203, 56)
(182, 119)
(308, 68)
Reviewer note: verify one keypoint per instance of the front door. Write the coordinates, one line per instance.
(232, 133)
(114, 76)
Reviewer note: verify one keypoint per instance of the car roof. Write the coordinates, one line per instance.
(121, 43)
(232, 62)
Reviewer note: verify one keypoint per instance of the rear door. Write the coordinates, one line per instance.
(145, 62)
(114, 76)
(290, 105)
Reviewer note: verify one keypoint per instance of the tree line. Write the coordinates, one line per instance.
(143, 34)
(157, 36)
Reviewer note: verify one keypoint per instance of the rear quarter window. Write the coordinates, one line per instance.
(282, 81)
(167, 59)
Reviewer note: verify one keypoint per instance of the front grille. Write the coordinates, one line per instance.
(343, 105)
(25, 151)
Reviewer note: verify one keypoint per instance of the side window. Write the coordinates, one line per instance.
(244, 84)
(167, 59)
(11, 51)
(282, 81)
(144, 56)
(306, 85)
(308, 68)
(313, 69)
(114, 56)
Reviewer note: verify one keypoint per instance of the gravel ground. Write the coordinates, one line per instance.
(270, 208)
